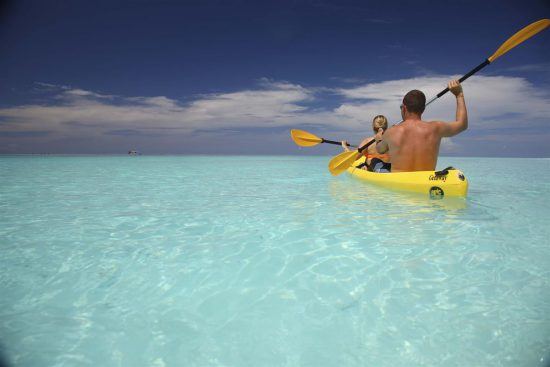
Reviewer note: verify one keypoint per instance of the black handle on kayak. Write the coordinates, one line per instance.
(335, 142)
(467, 75)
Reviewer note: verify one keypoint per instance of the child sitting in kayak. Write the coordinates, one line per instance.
(375, 162)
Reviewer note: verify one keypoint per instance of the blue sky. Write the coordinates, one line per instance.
(233, 77)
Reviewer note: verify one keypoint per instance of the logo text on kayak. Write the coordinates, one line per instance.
(437, 178)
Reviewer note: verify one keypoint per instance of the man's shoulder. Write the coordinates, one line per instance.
(434, 122)
(434, 125)
(423, 124)
(397, 128)
(418, 126)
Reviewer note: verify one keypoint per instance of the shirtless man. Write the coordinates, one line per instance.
(414, 144)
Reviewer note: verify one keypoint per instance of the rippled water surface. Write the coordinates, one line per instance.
(269, 261)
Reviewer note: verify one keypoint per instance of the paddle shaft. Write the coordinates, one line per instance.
(366, 146)
(335, 142)
(466, 76)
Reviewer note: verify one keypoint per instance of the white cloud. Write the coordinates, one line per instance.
(449, 146)
(493, 101)
(70, 111)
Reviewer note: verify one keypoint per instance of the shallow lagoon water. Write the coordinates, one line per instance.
(269, 261)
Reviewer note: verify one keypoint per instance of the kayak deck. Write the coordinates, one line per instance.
(435, 184)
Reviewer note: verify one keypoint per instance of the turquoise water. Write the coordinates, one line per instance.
(269, 261)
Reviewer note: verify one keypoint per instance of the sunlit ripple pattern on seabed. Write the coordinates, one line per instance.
(269, 261)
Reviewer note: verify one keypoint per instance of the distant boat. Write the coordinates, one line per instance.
(133, 152)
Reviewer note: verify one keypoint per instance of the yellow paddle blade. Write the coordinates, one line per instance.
(342, 162)
(304, 139)
(519, 37)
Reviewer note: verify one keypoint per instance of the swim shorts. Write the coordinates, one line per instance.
(378, 165)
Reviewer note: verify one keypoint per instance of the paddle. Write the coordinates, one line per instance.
(521, 36)
(344, 160)
(305, 139)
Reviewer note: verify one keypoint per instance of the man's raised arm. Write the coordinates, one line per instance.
(449, 129)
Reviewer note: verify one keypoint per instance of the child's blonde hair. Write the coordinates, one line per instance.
(379, 122)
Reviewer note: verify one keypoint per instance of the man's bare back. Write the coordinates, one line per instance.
(414, 144)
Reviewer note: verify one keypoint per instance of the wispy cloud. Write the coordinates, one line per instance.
(349, 80)
(539, 67)
(506, 101)
(69, 111)
(65, 112)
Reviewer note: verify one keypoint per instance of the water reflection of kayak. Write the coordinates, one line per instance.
(449, 182)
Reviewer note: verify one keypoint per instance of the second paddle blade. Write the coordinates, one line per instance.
(342, 162)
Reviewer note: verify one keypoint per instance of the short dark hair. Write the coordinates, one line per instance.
(415, 101)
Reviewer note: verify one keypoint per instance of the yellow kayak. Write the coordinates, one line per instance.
(449, 182)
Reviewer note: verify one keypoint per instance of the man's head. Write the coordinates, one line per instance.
(413, 102)
(379, 122)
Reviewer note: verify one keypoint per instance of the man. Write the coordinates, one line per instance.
(414, 144)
